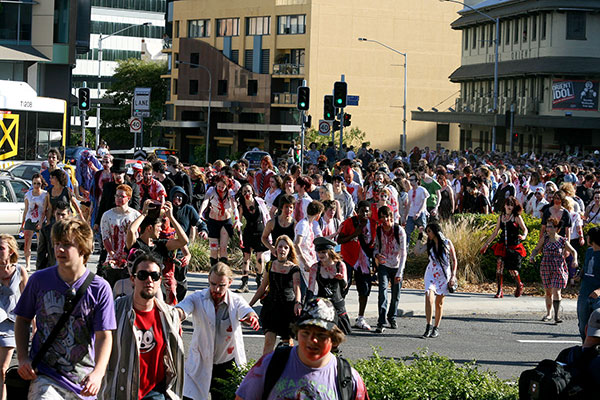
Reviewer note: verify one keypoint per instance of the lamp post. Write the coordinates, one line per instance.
(209, 101)
(496, 44)
(403, 137)
(100, 39)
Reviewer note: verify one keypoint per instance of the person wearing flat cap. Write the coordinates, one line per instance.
(328, 279)
(311, 369)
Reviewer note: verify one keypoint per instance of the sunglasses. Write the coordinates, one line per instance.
(143, 275)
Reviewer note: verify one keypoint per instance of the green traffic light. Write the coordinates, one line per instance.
(84, 104)
(302, 104)
(339, 101)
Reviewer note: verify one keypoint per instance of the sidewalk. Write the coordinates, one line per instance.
(412, 301)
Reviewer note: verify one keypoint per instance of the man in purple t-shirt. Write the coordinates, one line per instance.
(74, 365)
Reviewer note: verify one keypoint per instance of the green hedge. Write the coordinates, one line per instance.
(424, 377)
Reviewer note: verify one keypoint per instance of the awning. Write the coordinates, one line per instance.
(258, 127)
(575, 66)
(181, 124)
(21, 53)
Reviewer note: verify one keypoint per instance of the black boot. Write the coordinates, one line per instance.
(213, 261)
(435, 332)
(556, 305)
(258, 279)
(244, 286)
(224, 260)
(427, 331)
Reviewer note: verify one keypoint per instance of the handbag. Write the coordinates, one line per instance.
(17, 387)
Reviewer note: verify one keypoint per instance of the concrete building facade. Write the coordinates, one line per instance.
(549, 74)
(260, 51)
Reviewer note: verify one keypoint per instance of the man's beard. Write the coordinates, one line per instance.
(147, 294)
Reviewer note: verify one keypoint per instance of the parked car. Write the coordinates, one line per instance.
(26, 169)
(254, 158)
(12, 202)
(72, 154)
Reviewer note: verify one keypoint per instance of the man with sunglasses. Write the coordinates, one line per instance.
(76, 360)
(147, 360)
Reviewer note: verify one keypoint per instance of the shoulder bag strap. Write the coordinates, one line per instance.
(275, 368)
(344, 379)
(63, 319)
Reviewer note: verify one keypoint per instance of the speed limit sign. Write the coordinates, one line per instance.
(135, 125)
(324, 127)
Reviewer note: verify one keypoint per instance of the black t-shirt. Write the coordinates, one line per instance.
(159, 249)
(585, 194)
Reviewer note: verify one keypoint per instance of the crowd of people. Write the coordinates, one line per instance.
(308, 230)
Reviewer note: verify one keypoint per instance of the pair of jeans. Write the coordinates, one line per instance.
(385, 275)
(412, 223)
(585, 306)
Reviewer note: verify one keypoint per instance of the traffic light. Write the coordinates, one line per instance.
(308, 121)
(340, 92)
(84, 102)
(336, 125)
(516, 136)
(347, 119)
(328, 108)
(303, 98)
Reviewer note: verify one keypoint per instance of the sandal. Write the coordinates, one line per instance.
(546, 318)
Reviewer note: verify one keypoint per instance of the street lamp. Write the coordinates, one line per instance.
(100, 39)
(209, 101)
(403, 137)
(496, 44)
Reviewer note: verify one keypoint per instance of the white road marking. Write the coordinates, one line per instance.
(551, 341)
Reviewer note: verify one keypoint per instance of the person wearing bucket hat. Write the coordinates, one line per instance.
(310, 369)
(328, 279)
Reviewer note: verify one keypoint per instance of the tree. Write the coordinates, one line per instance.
(128, 75)
(354, 137)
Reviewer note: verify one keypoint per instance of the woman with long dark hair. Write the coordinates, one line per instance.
(509, 249)
(440, 273)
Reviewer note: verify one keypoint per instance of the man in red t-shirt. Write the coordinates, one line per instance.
(154, 338)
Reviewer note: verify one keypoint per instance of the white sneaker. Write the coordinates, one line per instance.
(361, 323)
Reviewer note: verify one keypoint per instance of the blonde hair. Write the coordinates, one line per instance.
(76, 231)
(292, 256)
(197, 172)
(568, 188)
(218, 164)
(328, 189)
(221, 269)
(11, 242)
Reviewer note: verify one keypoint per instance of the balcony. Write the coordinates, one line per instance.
(285, 70)
(485, 105)
(284, 99)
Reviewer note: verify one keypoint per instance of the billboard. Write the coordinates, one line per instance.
(575, 95)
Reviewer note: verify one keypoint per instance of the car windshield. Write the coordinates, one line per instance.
(255, 156)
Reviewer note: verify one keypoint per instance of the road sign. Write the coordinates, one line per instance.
(135, 125)
(140, 155)
(352, 100)
(324, 127)
(141, 114)
(141, 99)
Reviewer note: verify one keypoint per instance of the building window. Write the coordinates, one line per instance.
(256, 26)
(482, 36)
(543, 27)
(61, 21)
(222, 87)
(12, 29)
(264, 61)
(492, 35)
(252, 87)
(516, 31)
(176, 30)
(443, 133)
(198, 28)
(525, 21)
(507, 33)
(291, 24)
(466, 38)
(174, 86)
(474, 44)
(193, 86)
(228, 27)
(235, 56)
(576, 25)
(194, 60)
(534, 28)
(248, 59)
(297, 56)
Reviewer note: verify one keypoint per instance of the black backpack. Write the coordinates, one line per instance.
(279, 360)
(552, 380)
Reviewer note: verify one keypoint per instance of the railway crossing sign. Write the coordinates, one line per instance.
(324, 127)
(135, 125)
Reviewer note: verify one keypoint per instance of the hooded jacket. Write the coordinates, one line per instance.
(185, 214)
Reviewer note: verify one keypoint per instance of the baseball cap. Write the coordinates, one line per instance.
(318, 312)
(540, 190)
(593, 326)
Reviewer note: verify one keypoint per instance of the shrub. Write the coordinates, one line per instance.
(425, 377)
(200, 256)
